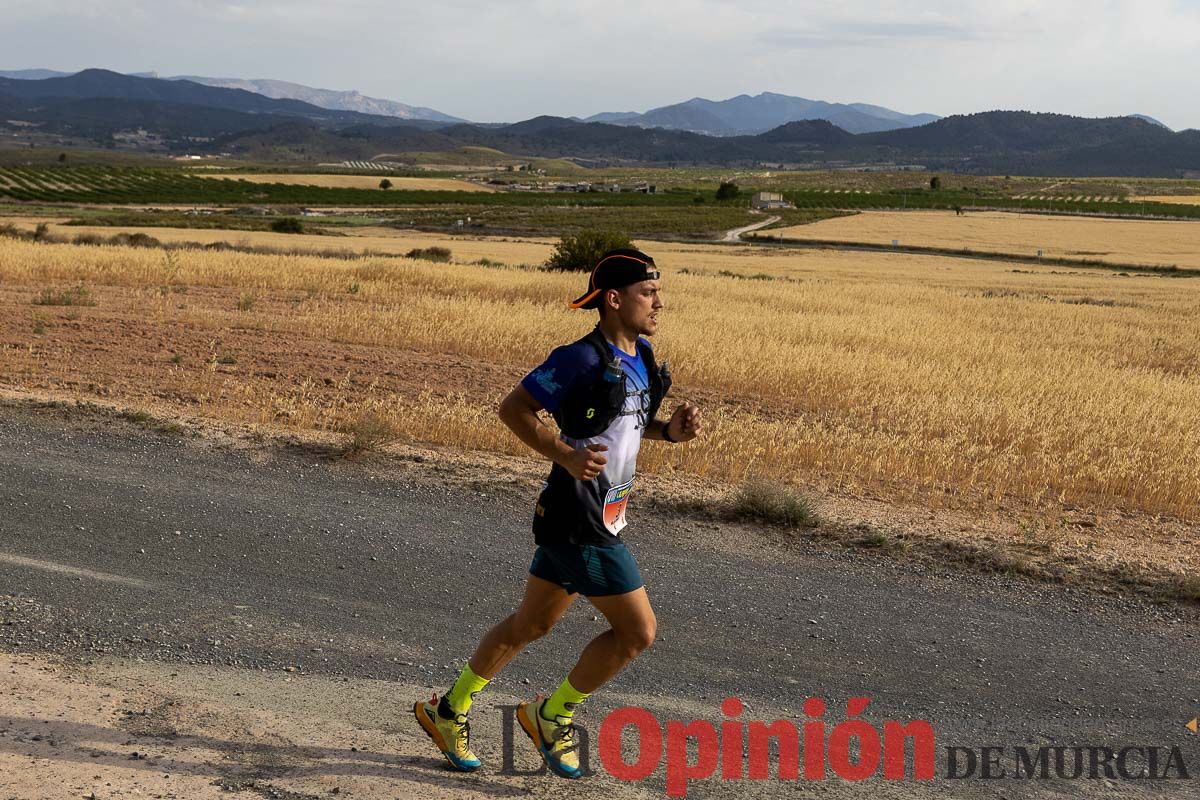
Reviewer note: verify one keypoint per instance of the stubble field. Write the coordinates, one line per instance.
(1189, 199)
(355, 240)
(1117, 241)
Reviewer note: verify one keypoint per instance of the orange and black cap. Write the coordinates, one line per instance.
(616, 269)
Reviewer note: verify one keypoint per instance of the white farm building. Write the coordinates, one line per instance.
(768, 200)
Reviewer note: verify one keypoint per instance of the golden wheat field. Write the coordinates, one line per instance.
(1188, 199)
(353, 181)
(908, 376)
(512, 251)
(355, 240)
(1120, 241)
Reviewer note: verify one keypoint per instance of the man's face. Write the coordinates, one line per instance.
(638, 307)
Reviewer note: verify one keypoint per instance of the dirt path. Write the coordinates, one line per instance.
(117, 728)
(736, 234)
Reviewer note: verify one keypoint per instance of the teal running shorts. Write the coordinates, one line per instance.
(588, 569)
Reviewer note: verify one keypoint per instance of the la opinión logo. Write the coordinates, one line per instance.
(742, 750)
(1129, 763)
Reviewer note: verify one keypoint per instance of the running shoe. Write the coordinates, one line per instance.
(451, 733)
(555, 741)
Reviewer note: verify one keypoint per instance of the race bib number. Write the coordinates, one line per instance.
(614, 507)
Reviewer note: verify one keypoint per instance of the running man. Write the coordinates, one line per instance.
(603, 391)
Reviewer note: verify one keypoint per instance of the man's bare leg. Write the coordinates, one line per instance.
(445, 720)
(543, 605)
(548, 722)
(633, 627)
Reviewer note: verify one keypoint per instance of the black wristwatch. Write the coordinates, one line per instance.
(666, 432)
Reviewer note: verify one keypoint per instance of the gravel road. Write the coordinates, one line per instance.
(120, 542)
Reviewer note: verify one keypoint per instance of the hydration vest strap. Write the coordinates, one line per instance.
(657, 390)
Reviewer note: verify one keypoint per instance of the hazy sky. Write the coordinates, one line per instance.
(510, 60)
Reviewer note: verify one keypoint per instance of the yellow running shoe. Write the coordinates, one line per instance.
(555, 741)
(452, 734)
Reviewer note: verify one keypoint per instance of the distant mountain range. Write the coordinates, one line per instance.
(1151, 120)
(96, 104)
(994, 142)
(32, 74)
(108, 108)
(747, 114)
(281, 90)
(325, 98)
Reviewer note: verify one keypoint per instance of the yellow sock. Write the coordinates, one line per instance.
(563, 702)
(464, 690)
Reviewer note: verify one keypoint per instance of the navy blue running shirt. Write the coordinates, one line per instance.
(590, 512)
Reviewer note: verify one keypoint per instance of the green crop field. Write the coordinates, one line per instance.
(226, 222)
(669, 222)
(683, 221)
(519, 210)
(114, 185)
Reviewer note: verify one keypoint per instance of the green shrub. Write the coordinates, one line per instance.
(10, 231)
(441, 254)
(135, 240)
(287, 225)
(728, 190)
(580, 252)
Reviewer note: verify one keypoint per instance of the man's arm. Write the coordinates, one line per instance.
(683, 426)
(519, 411)
(654, 429)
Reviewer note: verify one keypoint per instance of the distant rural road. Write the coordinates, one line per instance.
(736, 234)
(139, 544)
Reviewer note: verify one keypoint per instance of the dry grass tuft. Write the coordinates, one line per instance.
(78, 295)
(369, 432)
(777, 503)
(1185, 587)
